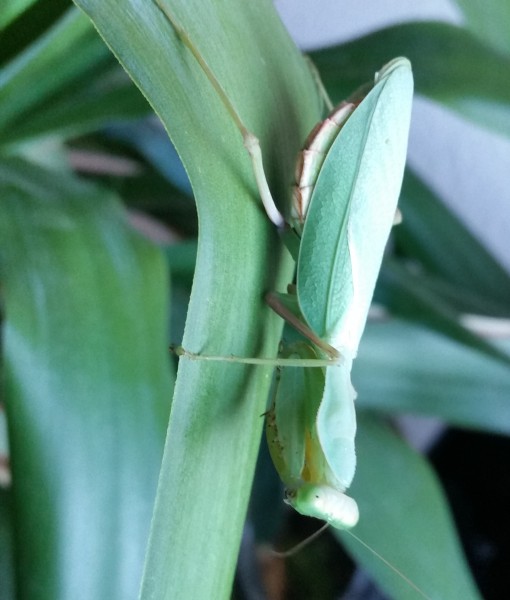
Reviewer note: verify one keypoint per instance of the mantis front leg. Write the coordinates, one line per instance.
(250, 140)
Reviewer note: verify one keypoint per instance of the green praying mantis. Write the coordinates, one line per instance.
(344, 204)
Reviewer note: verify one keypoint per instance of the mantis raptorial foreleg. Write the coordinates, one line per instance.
(250, 140)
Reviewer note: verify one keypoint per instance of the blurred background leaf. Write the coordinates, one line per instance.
(403, 507)
(489, 20)
(87, 384)
(404, 368)
(96, 301)
(450, 65)
(71, 97)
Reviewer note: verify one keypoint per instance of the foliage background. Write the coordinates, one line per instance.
(86, 377)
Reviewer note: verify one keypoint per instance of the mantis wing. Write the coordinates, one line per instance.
(310, 431)
(336, 426)
(352, 211)
(290, 422)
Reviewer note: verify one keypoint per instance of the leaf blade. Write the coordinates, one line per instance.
(421, 544)
(86, 384)
(450, 66)
(407, 369)
(217, 406)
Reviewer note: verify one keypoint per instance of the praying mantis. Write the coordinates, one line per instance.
(344, 204)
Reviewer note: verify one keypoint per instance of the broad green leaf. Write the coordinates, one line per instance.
(405, 368)
(405, 518)
(87, 384)
(7, 569)
(409, 296)
(431, 234)
(11, 10)
(215, 423)
(59, 100)
(449, 64)
(490, 20)
(82, 107)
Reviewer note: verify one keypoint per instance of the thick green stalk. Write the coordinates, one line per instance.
(215, 424)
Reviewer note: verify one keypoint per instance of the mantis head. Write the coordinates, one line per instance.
(324, 502)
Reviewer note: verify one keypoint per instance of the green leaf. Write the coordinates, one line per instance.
(81, 107)
(405, 518)
(409, 296)
(7, 570)
(450, 65)
(87, 384)
(431, 234)
(405, 368)
(25, 16)
(215, 424)
(42, 91)
(490, 20)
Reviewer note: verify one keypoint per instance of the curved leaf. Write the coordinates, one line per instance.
(432, 235)
(490, 20)
(405, 518)
(450, 65)
(405, 368)
(215, 423)
(87, 384)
